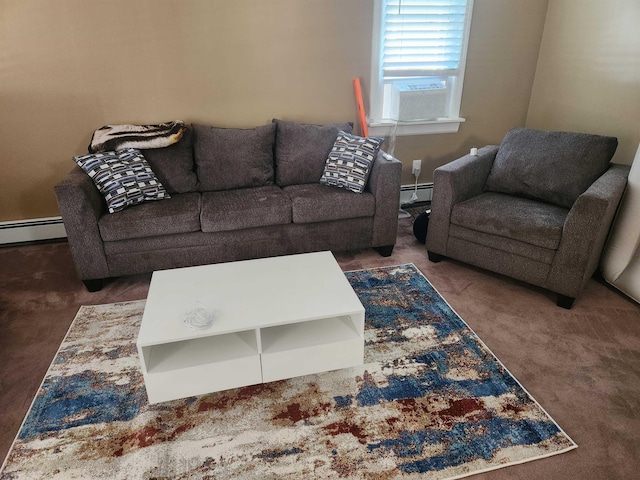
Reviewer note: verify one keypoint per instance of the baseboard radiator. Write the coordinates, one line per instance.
(26, 231)
(424, 193)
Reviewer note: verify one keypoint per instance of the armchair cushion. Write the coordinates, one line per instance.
(554, 167)
(522, 219)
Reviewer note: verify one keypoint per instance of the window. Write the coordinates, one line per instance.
(419, 54)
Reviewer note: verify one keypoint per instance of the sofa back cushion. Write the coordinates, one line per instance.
(228, 158)
(302, 149)
(554, 167)
(173, 165)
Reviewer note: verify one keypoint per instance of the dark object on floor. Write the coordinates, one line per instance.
(94, 285)
(420, 225)
(434, 257)
(385, 250)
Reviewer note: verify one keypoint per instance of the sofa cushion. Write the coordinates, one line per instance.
(123, 177)
(174, 164)
(555, 167)
(350, 161)
(228, 158)
(314, 202)
(179, 214)
(502, 244)
(527, 220)
(302, 149)
(244, 208)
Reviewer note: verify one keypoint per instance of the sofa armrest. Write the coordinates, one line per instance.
(453, 183)
(81, 206)
(585, 232)
(384, 184)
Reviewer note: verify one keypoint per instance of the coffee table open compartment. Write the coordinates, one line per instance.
(200, 365)
(311, 347)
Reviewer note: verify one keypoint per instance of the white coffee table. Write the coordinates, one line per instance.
(274, 318)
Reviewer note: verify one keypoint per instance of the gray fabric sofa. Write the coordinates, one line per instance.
(537, 208)
(235, 194)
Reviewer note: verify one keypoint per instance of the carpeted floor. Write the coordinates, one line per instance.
(582, 364)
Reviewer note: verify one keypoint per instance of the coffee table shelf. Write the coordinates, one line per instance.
(200, 365)
(308, 334)
(315, 324)
(311, 347)
(199, 351)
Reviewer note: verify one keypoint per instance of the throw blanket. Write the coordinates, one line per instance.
(115, 137)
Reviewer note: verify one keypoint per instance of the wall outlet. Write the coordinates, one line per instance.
(417, 167)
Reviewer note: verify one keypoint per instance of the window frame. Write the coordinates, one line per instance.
(380, 126)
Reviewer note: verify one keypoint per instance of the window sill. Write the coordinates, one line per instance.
(445, 125)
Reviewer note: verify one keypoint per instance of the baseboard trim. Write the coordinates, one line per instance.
(424, 191)
(25, 231)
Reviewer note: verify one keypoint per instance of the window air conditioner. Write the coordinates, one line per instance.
(418, 101)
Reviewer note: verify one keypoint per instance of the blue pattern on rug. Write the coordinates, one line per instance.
(94, 400)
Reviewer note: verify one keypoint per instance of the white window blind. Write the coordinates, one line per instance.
(418, 62)
(422, 38)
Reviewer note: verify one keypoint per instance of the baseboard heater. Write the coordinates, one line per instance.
(424, 192)
(25, 231)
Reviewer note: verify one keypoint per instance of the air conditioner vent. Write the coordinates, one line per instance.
(419, 101)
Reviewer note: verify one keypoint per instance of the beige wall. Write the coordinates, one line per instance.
(70, 66)
(588, 74)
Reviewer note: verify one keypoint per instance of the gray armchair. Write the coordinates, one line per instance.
(537, 208)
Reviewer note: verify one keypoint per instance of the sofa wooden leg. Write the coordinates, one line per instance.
(93, 285)
(565, 302)
(434, 257)
(385, 251)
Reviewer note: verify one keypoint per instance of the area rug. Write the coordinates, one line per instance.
(430, 402)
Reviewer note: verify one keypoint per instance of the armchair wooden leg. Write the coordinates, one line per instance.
(385, 250)
(565, 302)
(93, 285)
(434, 257)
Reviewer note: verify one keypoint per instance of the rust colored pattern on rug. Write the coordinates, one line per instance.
(430, 402)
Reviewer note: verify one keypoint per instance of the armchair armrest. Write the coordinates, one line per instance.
(453, 183)
(81, 206)
(384, 184)
(585, 232)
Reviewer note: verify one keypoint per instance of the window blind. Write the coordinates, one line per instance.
(422, 37)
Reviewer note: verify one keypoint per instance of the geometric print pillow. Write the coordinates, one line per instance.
(123, 177)
(350, 161)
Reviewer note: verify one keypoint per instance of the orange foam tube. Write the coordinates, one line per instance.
(362, 117)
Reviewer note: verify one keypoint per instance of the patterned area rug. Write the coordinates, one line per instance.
(430, 402)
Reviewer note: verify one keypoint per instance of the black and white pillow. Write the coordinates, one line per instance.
(123, 177)
(350, 160)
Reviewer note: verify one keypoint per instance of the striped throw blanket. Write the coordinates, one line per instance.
(115, 137)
